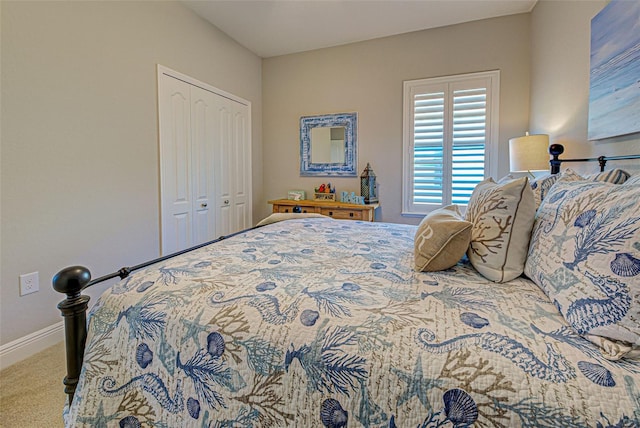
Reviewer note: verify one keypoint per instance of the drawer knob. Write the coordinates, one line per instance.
(297, 209)
(350, 214)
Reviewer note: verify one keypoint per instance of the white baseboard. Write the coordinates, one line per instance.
(26, 346)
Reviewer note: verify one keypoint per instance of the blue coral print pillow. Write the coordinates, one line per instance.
(585, 255)
(542, 185)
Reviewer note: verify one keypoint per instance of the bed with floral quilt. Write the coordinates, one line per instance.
(315, 322)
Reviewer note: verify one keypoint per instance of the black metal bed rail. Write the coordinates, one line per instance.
(557, 149)
(71, 281)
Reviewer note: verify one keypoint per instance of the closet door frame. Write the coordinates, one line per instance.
(162, 70)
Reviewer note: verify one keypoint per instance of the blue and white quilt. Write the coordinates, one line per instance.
(324, 323)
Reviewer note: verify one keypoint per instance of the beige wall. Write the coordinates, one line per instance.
(79, 175)
(79, 168)
(367, 78)
(560, 36)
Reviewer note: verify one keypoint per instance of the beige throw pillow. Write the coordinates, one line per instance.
(441, 240)
(502, 215)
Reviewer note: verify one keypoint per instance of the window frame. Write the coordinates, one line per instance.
(492, 84)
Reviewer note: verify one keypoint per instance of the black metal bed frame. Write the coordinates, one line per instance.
(557, 149)
(72, 280)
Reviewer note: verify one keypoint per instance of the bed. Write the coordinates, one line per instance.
(319, 322)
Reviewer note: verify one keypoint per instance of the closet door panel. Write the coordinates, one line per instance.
(175, 159)
(242, 168)
(224, 167)
(181, 226)
(203, 176)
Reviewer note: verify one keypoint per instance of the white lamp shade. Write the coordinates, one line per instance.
(529, 153)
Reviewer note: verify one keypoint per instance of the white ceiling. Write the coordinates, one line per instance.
(277, 27)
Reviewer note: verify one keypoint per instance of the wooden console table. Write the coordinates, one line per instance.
(337, 210)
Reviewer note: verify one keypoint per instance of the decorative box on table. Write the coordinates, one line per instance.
(297, 195)
(324, 196)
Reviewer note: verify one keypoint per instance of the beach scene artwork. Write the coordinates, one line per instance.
(614, 92)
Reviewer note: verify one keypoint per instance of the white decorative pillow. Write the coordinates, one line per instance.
(585, 255)
(441, 240)
(502, 215)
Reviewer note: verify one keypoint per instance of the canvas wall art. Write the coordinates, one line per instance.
(614, 93)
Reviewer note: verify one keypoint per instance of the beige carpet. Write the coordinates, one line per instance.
(31, 391)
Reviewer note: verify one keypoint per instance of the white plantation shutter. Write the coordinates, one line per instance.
(428, 154)
(469, 132)
(448, 136)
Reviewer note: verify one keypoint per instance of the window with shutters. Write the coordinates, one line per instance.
(449, 139)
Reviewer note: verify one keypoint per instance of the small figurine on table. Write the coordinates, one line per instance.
(325, 188)
(325, 192)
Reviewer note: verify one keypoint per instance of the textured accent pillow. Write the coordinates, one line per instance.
(502, 215)
(585, 255)
(615, 176)
(441, 240)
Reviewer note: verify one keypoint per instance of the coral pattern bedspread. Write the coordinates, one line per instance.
(317, 322)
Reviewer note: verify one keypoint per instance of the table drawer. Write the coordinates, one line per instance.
(289, 209)
(337, 210)
(342, 214)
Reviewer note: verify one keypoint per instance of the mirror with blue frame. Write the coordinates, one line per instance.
(328, 145)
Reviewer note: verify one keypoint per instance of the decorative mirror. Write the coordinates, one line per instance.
(328, 145)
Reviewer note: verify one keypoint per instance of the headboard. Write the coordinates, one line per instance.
(557, 149)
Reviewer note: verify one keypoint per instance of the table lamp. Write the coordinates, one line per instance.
(529, 153)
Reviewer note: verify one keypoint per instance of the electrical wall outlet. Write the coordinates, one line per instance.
(29, 283)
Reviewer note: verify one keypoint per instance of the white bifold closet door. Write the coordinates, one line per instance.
(205, 163)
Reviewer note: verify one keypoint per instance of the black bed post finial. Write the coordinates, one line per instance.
(603, 162)
(555, 150)
(71, 281)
